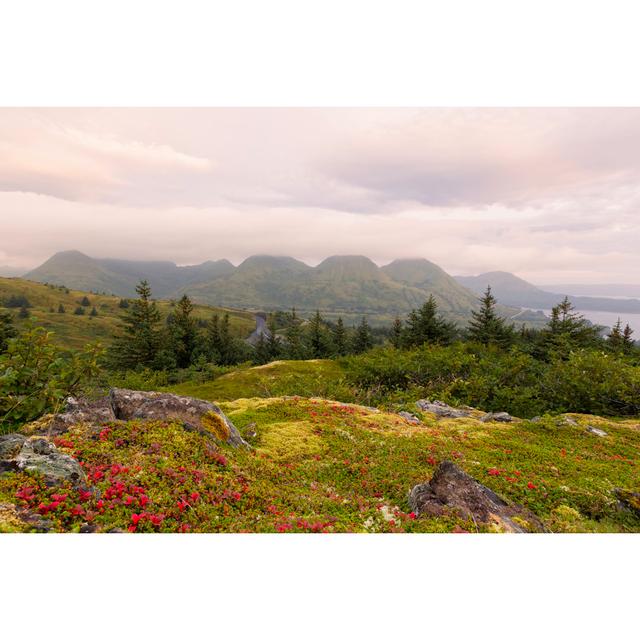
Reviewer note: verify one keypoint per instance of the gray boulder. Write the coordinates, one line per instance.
(41, 456)
(451, 489)
(441, 409)
(10, 445)
(597, 432)
(500, 416)
(80, 410)
(409, 417)
(196, 415)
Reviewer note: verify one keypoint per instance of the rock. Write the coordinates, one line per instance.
(250, 430)
(441, 409)
(14, 518)
(597, 432)
(500, 416)
(629, 500)
(535, 419)
(409, 417)
(452, 489)
(570, 421)
(41, 456)
(78, 410)
(10, 445)
(196, 415)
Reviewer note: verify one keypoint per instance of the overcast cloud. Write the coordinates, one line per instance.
(550, 194)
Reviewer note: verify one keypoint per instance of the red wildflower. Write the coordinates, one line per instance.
(136, 517)
(432, 461)
(494, 472)
(182, 505)
(530, 485)
(144, 500)
(132, 528)
(194, 496)
(412, 515)
(156, 520)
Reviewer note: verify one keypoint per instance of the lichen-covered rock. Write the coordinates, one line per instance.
(409, 417)
(629, 500)
(196, 415)
(500, 416)
(597, 432)
(10, 445)
(77, 410)
(14, 519)
(451, 489)
(41, 456)
(441, 409)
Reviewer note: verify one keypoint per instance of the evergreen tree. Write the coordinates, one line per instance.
(17, 302)
(339, 338)
(261, 351)
(7, 330)
(123, 304)
(231, 350)
(23, 313)
(183, 333)
(615, 339)
(295, 346)
(94, 312)
(318, 347)
(628, 343)
(486, 326)
(274, 348)
(139, 343)
(396, 333)
(363, 340)
(85, 302)
(426, 326)
(78, 311)
(61, 308)
(568, 330)
(212, 340)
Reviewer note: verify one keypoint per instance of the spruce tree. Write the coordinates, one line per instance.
(363, 340)
(139, 343)
(94, 312)
(212, 340)
(7, 330)
(78, 311)
(123, 304)
(339, 339)
(567, 330)
(317, 337)
(293, 334)
(261, 351)
(183, 332)
(23, 313)
(396, 333)
(486, 326)
(85, 302)
(61, 308)
(628, 343)
(615, 339)
(274, 348)
(426, 326)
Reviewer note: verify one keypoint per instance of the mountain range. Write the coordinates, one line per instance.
(346, 285)
(514, 291)
(340, 285)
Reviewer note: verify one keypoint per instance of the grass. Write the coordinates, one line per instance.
(319, 465)
(282, 377)
(74, 331)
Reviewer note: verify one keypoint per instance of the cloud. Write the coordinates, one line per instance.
(39, 155)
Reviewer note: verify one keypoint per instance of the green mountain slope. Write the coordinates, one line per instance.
(511, 290)
(74, 331)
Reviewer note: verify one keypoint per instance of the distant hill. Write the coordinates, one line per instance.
(514, 291)
(347, 286)
(598, 290)
(73, 331)
(76, 270)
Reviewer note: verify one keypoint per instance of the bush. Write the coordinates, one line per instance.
(36, 377)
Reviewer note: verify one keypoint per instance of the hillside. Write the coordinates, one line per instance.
(74, 331)
(75, 270)
(511, 290)
(313, 465)
(341, 285)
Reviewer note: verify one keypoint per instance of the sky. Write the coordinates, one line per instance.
(552, 195)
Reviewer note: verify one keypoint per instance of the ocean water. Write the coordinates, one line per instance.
(609, 318)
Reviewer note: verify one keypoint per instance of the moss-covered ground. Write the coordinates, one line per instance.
(322, 466)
